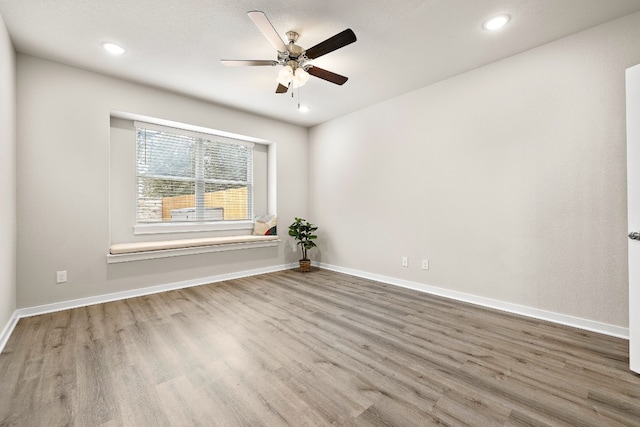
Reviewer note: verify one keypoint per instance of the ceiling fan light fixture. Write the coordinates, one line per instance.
(303, 108)
(300, 77)
(285, 75)
(496, 22)
(288, 75)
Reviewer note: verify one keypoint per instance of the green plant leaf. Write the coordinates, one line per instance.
(302, 230)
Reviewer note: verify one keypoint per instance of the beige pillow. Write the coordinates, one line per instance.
(265, 225)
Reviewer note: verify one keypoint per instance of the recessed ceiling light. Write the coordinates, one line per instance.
(496, 22)
(303, 109)
(113, 48)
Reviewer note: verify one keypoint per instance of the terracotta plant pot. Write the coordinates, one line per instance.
(305, 265)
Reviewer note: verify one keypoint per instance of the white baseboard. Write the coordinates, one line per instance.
(99, 299)
(563, 319)
(8, 330)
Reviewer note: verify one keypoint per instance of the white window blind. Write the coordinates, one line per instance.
(185, 176)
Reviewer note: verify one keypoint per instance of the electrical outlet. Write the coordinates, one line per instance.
(425, 264)
(405, 261)
(61, 276)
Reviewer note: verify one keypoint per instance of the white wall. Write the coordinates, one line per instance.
(63, 183)
(7, 177)
(509, 179)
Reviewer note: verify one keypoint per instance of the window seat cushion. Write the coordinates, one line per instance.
(129, 248)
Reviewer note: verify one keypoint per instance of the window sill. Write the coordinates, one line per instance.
(186, 227)
(126, 252)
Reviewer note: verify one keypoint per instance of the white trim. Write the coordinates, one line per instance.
(272, 179)
(204, 133)
(562, 319)
(175, 227)
(139, 256)
(8, 329)
(116, 296)
(632, 80)
(173, 124)
(576, 322)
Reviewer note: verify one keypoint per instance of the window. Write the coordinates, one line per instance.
(189, 177)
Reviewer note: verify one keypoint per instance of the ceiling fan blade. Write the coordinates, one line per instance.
(248, 62)
(333, 43)
(328, 75)
(282, 88)
(266, 28)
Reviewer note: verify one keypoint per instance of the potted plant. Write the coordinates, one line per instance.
(303, 231)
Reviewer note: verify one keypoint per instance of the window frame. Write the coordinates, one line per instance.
(141, 228)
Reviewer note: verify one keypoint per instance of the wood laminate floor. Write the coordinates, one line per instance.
(309, 350)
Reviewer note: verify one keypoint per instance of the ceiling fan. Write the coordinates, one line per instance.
(295, 59)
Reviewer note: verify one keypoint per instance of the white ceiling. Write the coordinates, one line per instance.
(402, 44)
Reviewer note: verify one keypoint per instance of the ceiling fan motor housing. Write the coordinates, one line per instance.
(292, 36)
(294, 50)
